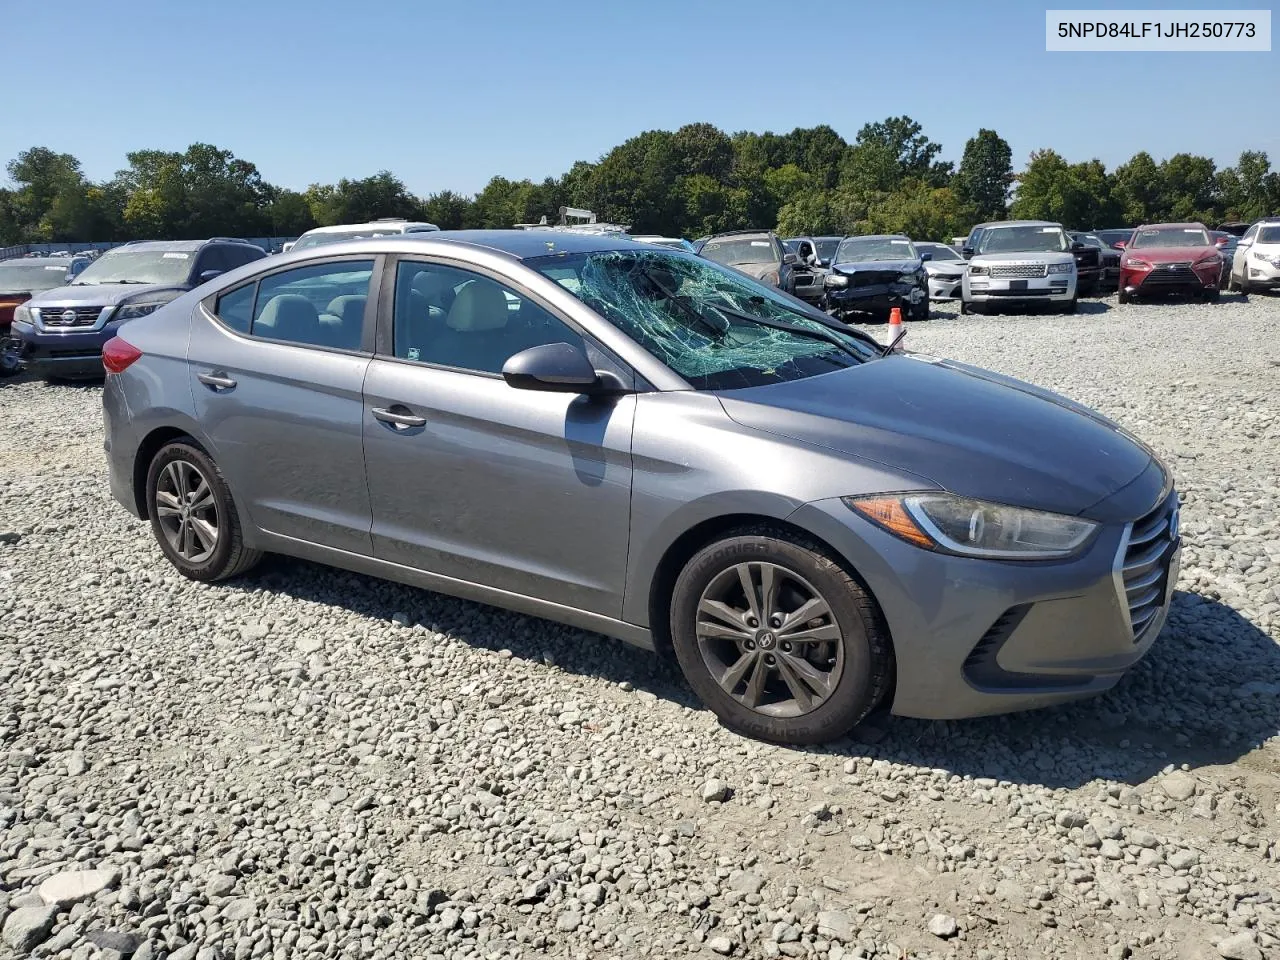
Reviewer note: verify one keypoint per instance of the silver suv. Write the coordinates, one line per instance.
(1020, 263)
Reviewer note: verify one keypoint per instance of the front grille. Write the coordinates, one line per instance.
(1088, 258)
(1022, 294)
(69, 316)
(1019, 271)
(1145, 570)
(1171, 275)
(870, 278)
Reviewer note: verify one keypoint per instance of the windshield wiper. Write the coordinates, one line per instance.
(827, 337)
(888, 348)
(718, 332)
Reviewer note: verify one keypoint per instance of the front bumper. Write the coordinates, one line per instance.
(1262, 273)
(1167, 279)
(875, 298)
(976, 637)
(945, 288)
(1055, 288)
(74, 355)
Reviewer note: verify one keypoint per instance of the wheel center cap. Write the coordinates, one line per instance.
(766, 640)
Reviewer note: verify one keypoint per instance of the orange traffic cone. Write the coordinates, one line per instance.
(895, 324)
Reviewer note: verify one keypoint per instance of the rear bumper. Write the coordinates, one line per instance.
(73, 355)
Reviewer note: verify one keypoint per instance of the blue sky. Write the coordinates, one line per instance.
(447, 94)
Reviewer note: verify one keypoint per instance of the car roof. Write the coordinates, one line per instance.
(1174, 226)
(1018, 223)
(741, 233)
(517, 244)
(370, 225)
(171, 245)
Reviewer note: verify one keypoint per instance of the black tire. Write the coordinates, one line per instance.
(1071, 306)
(228, 556)
(861, 655)
(966, 308)
(1123, 297)
(919, 311)
(10, 357)
(1209, 296)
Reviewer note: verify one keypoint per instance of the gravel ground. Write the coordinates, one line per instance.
(310, 763)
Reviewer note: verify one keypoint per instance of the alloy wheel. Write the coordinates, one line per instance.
(187, 511)
(769, 639)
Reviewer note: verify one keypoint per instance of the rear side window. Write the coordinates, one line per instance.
(318, 306)
(235, 309)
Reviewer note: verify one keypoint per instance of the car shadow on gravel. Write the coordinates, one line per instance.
(1208, 693)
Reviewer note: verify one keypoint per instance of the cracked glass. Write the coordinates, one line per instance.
(716, 328)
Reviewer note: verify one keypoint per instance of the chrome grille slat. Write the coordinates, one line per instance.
(52, 316)
(1019, 271)
(1145, 567)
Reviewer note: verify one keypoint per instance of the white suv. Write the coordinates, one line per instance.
(1256, 265)
(358, 231)
(1019, 263)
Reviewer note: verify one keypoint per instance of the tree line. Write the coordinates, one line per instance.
(691, 182)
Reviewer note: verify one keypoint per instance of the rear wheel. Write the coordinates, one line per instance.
(193, 516)
(777, 639)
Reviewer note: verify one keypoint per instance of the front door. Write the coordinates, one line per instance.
(473, 479)
(278, 367)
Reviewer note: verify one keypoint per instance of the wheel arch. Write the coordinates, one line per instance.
(685, 546)
(150, 445)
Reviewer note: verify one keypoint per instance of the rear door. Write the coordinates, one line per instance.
(277, 382)
(470, 478)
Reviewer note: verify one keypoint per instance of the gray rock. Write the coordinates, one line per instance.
(715, 790)
(122, 943)
(187, 952)
(1241, 946)
(220, 885)
(63, 889)
(568, 921)
(836, 926)
(943, 926)
(309, 643)
(1178, 786)
(1142, 838)
(238, 910)
(76, 764)
(28, 927)
(721, 945)
(593, 893)
(743, 881)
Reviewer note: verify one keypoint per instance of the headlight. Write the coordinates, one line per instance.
(132, 311)
(907, 277)
(978, 271)
(1062, 267)
(22, 314)
(1213, 259)
(1136, 264)
(974, 528)
(835, 280)
(771, 278)
(1256, 254)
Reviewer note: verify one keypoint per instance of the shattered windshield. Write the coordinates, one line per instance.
(717, 329)
(740, 250)
(866, 249)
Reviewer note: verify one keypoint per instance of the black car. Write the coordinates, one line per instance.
(1114, 237)
(1107, 275)
(875, 274)
(757, 253)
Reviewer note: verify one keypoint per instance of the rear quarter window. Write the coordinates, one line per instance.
(235, 309)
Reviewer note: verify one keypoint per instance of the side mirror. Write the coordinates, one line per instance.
(1077, 246)
(207, 275)
(1120, 244)
(557, 368)
(926, 257)
(966, 252)
(788, 259)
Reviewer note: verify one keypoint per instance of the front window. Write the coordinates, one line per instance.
(864, 249)
(716, 328)
(1024, 239)
(19, 277)
(123, 265)
(939, 251)
(827, 247)
(1170, 237)
(740, 251)
(337, 236)
(1269, 235)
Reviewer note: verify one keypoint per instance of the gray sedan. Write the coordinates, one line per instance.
(643, 443)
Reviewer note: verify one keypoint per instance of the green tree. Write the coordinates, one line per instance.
(1138, 190)
(1251, 189)
(1076, 195)
(921, 211)
(886, 153)
(446, 209)
(288, 212)
(985, 176)
(1190, 187)
(204, 191)
(359, 201)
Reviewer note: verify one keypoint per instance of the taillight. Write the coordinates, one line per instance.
(118, 354)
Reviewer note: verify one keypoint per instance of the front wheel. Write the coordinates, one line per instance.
(1123, 297)
(919, 311)
(778, 640)
(193, 516)
(1209, 296)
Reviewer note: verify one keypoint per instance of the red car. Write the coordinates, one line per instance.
(1164, 258)
(19, 279)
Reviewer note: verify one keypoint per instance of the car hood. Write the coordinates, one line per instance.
(1027, 256)
(1171, 254)
(104, 294)
(974, 433)
(902, 266)
(949, 267)
(757, 270)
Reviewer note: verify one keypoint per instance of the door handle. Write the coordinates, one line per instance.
(218, 381)
(400, 421)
